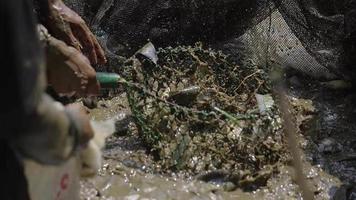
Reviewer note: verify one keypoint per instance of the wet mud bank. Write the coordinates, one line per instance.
(327, 139)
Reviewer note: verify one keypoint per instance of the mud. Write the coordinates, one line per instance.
(331, 134)
(127, 172)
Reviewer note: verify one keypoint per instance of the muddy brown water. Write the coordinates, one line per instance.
(328, 141)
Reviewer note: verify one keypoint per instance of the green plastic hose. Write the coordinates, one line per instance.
(108, 80)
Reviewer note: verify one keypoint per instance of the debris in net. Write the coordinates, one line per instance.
(149, 52)
(265, 102)
(197, 111)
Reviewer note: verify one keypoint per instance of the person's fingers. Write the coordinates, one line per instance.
(83, 34)
(59, 26)
(68, 14)
(72, 29)
(80, 31)
(62, 48)
(78, 81)
(75, 32)
(93, 87)
(85, 79)
(99, 51)
(71, 40)
(86, 73)
(91, 46)
(76, 56)
(74, 74)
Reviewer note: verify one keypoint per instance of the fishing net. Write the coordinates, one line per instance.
(326, 29)
(198, 111)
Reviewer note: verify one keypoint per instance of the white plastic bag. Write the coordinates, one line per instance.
(63, 182)
(53, 182)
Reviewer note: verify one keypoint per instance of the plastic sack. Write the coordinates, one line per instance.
(62, 182)
(53, 182)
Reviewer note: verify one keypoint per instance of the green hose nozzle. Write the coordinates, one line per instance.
(108, 80)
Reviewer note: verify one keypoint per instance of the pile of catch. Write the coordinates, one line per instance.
(197, 111)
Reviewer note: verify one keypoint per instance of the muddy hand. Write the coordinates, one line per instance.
(69, 71)
(67, 25)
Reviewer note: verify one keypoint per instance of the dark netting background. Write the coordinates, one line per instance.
(326, 32)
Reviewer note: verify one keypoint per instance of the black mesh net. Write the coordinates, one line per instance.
(206, 106)
(325, 32)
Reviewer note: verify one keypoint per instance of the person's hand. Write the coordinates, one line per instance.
(65, 24)
(69, 71)
(80, 118)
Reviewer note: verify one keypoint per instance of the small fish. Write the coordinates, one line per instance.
(186, 96)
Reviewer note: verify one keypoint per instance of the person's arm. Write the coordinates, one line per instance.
(31, 121)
